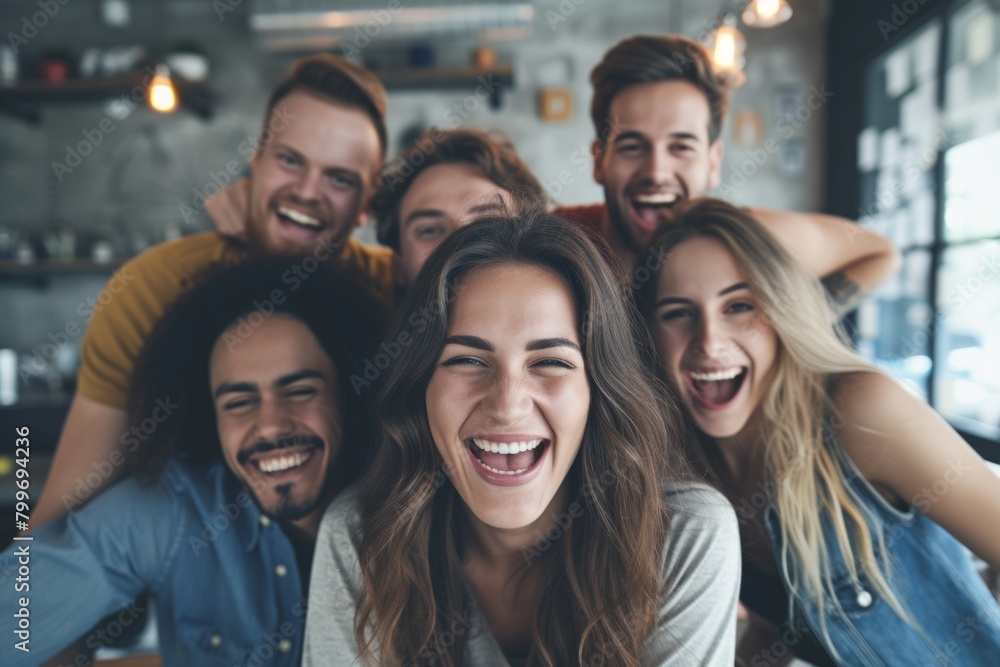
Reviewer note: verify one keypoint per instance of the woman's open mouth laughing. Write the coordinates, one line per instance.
(715, 389)
(507, 462)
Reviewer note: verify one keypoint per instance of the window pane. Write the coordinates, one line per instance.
(901, 139)
(968, 340)
(972, 77)
(972, 195)
(894, 324)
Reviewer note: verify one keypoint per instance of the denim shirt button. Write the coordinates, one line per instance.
(864, 599)
(215, 640)
(281, 570)
(264, 521)
(285, 645)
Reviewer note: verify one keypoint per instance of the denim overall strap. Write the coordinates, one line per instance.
(956, 622)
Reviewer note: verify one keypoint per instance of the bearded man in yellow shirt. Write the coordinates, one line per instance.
(314, 170)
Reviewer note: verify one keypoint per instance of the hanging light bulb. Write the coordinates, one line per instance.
(767, 13)
(162, 96)
(727, 45)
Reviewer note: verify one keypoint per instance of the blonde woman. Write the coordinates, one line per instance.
(826, 459)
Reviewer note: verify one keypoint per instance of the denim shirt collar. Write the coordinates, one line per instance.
(251, 520)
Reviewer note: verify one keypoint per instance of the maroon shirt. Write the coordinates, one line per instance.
(590, 218)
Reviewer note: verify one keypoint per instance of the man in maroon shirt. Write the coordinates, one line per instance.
(658, 111)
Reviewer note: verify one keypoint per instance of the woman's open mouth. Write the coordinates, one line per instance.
(507, 463)
(715, 389)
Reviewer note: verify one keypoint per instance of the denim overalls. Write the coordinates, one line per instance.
(957, 620)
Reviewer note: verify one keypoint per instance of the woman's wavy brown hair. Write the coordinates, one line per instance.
(602, 585)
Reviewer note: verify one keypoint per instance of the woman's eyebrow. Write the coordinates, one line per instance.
(734, 288)
(469, 341)
(547, 343)
(668, 300)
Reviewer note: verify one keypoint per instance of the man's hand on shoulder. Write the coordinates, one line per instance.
(229, 209)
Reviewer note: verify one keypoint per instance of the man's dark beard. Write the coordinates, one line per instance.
(620, 227)
(255, 244)
(287, 510)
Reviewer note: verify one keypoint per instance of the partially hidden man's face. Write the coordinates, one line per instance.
(441, 199)
(313, 177)
(657, 154)
(277, 405)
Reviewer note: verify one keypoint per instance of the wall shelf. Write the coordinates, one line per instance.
(23, 100)
(494, 80)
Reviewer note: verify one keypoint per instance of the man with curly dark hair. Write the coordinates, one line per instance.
(219, 523)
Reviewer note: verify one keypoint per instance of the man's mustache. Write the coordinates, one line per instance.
(264, 446)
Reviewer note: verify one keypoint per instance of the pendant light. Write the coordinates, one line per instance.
(162, 95)
(767, 13)
(727, 45)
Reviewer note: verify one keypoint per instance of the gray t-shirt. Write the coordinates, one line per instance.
(697, 624)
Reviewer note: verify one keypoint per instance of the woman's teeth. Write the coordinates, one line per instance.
(283, 463)
(506, 448)
(299, 218)
(715, 376)
(501, 472)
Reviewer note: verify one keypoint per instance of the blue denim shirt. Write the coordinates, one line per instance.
(957, 622)
(224, 576)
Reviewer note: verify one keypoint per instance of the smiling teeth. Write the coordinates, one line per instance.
(717, 375)
(300, 218)
(283, 463)
(659, 198)
(506, 447)
(502, 472)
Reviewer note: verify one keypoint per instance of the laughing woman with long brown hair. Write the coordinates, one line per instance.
(524, 506)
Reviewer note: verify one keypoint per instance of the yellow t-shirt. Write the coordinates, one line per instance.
(139, 293)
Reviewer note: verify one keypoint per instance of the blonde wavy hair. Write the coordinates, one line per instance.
(812, 350)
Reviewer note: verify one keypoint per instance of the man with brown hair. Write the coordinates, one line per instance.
(445, 180)
(658, 111)
(312, 179)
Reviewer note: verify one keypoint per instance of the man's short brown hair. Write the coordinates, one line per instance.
(338, 80)
(494, 156)
(650, 59)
